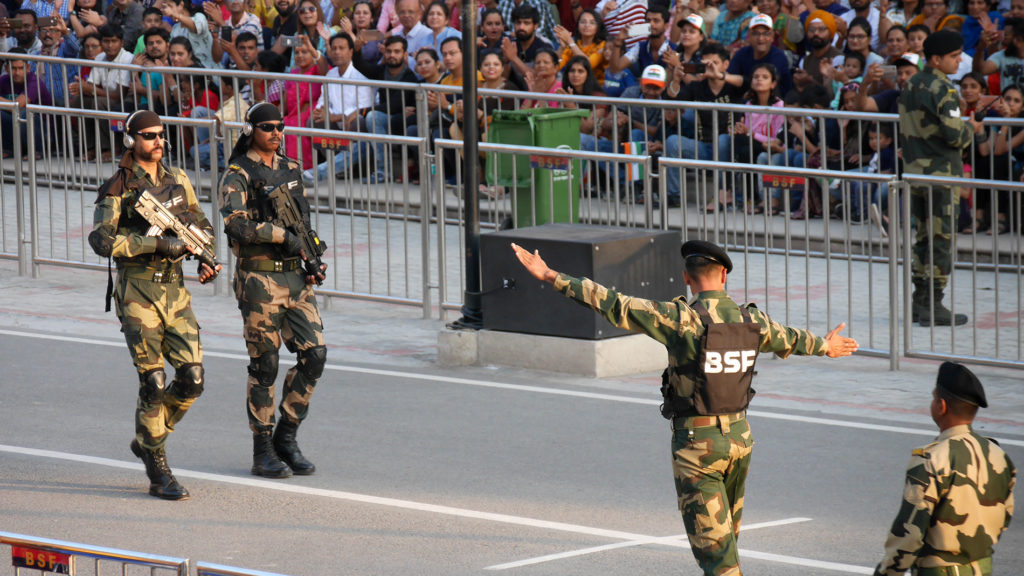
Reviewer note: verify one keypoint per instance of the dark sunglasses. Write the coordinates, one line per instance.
(269, 127)
(150, 136)
(307, 9)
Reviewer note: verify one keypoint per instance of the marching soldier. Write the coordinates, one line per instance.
(152, 303)
(936, 137)
(274, 291)
(958, 494)
(712, 344)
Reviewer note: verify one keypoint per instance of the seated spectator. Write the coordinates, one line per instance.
(411, 27)
(85, 18)
(126, 15)
(24, 36)
(708, 13)
(935, 16)
(803, 148)
(543, 79)
(903, 11)
(285, 23)
(579, 79)
(731, 27)
(241, 21)
(493, 77)
(916, 36)
(690, 50)
(492, 31)
(240, 54)
(268, 90)
(650, 125)
(789, 31)
(882, 161)
(311, 25)
(980, 16)
(587, 41)
(1007, 164)
(299, 97)
(60, 42)
(851, 72)
(436, 20)
(104, 89)
(1008, 63)
(522, 52)
(895, 43)
(545, 23)
(759, 51)
(820, 30)
(341, 106)
(362, 31)
(90, 49)
(887, 99)
(394, 107)
(878, 24)
(757, 135)
(191, 23)
(197, 99)
(858, 39)
(152, 18)
(149, 86)
(20, 86)
(652, 49)
(616, 77)
(618, 16)
(833, 7)
(711, 130)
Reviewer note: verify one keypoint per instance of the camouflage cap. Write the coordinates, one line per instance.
(708, 250)
(960, 383)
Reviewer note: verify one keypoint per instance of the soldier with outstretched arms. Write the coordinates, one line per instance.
(278, 261)
(712, 344)
(152, 303)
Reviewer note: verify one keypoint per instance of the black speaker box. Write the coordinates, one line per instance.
(637, 262)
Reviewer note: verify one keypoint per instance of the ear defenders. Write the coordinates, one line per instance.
(248, 128)
(129, 140)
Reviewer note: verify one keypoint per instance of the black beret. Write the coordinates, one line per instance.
(960, 383)
(941, 43)
(707, 250)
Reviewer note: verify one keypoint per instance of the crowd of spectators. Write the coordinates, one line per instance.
(850, 55)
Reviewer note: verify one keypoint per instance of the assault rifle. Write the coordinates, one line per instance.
(288, 215)
(161, 221)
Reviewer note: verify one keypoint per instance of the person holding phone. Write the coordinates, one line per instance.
(23, 28)
(191, 23)
(241, 20)
(127, 14)
(655, 46)
(360, 28)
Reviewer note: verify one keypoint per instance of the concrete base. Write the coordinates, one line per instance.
(633, 354)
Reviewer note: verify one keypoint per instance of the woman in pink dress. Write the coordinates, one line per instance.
(300, 98)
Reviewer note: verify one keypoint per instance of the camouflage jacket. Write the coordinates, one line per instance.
(115, 217)
(934, 134)
(957, 501)
(241, 224)
(679, 328)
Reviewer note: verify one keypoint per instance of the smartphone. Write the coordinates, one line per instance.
(225, 33)
(15, 23)
(639, 30)
(373, 35)
(695, 67)
(46, 22)
(291, 41)
(889, 72)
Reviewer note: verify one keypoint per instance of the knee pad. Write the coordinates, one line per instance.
(312, 360)
(188, 380)
(264, 368)
(154, 384)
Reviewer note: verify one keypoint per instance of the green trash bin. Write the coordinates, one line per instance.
(542, 184)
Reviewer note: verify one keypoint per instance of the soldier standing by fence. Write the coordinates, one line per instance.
(935, 137)
(152, 303)
(274, 291)
(958, 495)
(712, 344)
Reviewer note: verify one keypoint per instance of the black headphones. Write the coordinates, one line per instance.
(247, 128)
(129, 140)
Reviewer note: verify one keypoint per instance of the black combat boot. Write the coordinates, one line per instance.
(265, 461)
(162, 482)
(940, 316)
(288, 449)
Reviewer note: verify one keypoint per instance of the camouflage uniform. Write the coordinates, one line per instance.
(274, 304)
(152, 303)
(710, 454)
(957, 501)
(935, 137)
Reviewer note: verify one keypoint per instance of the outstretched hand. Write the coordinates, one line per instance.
(534, 264)
(839, 345)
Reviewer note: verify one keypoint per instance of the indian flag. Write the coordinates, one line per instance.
(635, 171)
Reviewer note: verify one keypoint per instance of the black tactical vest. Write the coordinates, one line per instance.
(720, 381)
(262, 181)
(129, 187)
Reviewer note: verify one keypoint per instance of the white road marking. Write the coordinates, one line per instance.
(537, 389)
(629, 538)
(678, 540)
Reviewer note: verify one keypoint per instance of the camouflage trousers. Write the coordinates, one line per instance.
(935, 212)
(710, 466)
(157, 323)
(278, 306)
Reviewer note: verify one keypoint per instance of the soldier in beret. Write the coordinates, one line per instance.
(712, 345)
(935, 138)
(958, 495)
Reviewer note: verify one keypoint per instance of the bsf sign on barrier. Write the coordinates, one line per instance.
(42, 560)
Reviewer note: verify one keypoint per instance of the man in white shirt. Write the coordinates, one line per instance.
(341, 106)
(416, 34)
(105, 89)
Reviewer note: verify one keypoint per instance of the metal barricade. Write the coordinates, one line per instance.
(208, 569)
(105, 560)
(12, 196)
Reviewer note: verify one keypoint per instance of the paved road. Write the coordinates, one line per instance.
(444, 471)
